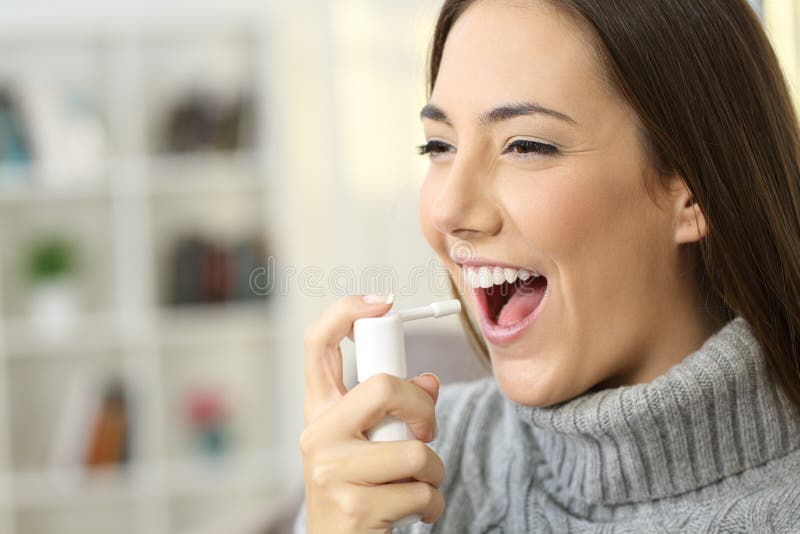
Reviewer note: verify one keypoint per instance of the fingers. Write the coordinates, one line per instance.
(360, 508)
(380, 395)
(356, 482)
(409, 459)
(401, 499)
(430, 383)
(337, 320)
(360, 482)
(324, 383)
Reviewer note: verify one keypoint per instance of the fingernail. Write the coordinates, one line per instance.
(438, 382)
(375, 299)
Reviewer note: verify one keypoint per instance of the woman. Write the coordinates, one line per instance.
(614, 187)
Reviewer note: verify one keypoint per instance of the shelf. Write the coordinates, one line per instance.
(165, 175)
(214, 324)
(94, 332)
(185, 477)
(244, 472)
(204, 172)
(231, 513)
(179, 326)
(74, 488)
(34, 193)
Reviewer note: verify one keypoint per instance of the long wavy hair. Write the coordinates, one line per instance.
(716, 110)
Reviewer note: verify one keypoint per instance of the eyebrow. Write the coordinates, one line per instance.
(500, 113)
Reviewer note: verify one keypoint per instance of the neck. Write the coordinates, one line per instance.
(681, 327)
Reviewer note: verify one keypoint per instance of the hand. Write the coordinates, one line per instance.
(354, 485)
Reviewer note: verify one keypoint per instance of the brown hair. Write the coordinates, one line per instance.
(716, 110)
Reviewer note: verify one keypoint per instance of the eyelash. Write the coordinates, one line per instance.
(433, 147)
(438, 147)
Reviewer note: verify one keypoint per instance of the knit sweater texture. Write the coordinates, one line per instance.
(712, 445)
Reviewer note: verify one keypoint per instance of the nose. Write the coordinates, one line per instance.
(465, 206)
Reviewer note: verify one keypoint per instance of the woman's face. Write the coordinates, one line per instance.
(551, 181)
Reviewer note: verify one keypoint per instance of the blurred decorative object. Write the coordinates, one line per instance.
(208, 414)
(52, 257)
(109, 441)
(202, 122)
(15, 150)
(73, 429)
(205, 271)
(51, 269)
(68, 139)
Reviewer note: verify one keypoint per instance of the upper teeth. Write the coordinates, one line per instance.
(488, 276)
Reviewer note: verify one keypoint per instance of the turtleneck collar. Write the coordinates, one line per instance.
(714, 414)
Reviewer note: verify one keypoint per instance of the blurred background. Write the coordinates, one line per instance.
(184, 186)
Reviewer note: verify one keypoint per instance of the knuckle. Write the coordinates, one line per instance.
(306, 442)
(418, 455)
(425, 493)
(385, 387)
(353, 509)
(323, 475)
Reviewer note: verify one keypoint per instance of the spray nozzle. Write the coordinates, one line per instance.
(435, 309)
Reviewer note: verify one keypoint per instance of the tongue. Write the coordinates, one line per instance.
(521, 304)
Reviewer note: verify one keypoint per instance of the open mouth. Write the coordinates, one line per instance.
(508, 299)
(509, 303)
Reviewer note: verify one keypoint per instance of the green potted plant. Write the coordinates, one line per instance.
(51, 266)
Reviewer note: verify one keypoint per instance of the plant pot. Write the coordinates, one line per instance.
(53, 307)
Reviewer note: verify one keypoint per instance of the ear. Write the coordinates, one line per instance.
(689, 223)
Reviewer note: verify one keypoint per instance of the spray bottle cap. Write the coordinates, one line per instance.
(380, 347)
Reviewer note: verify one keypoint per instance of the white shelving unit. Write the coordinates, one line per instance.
(125, 220)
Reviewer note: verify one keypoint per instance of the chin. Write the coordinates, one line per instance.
(532, 383)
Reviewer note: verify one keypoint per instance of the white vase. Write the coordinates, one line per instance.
(54, 307)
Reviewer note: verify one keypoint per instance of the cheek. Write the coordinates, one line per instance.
(568, 211)
(594, 224)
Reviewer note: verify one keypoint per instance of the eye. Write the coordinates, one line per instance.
(434, 148)
(525, 148)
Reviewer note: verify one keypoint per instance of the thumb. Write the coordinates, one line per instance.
(430, 383)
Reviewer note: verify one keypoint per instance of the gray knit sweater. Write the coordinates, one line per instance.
(710, 446)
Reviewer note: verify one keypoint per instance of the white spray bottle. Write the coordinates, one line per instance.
(380, 348)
